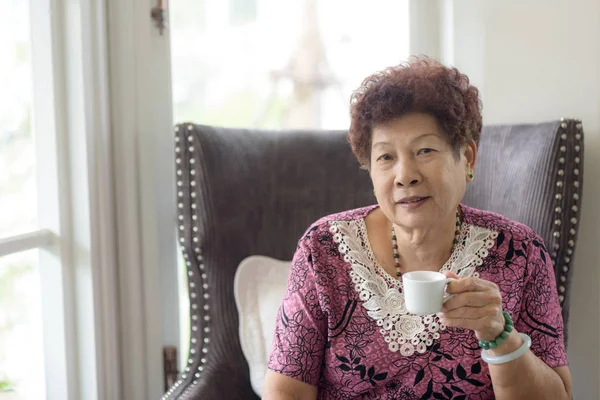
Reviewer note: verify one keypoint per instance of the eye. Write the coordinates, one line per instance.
(384, 157)
(426, 150)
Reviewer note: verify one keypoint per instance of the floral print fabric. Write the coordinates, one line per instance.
(326, 337)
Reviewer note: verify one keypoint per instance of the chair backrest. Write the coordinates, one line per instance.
(534, 174)
(251, 192)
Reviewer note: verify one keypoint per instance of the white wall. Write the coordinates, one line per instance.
(534, 61)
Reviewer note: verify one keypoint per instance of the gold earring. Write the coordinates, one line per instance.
(471, 176)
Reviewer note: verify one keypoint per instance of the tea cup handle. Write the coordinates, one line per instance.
(446, 295)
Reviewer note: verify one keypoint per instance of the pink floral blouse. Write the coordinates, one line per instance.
(343, 326)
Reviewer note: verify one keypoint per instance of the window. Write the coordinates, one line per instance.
(18, 209)
(21, 344)
(273, 64)
(47, 310)
(21, 341)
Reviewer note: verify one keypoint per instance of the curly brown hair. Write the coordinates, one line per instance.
(422, 84)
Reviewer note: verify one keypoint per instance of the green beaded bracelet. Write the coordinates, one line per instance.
(508, 327)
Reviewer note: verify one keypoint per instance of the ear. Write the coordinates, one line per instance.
(470, 153)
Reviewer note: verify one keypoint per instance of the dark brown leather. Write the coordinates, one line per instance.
(248, 192)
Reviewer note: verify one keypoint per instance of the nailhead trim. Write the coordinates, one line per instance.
(195, 281)
(564, 124)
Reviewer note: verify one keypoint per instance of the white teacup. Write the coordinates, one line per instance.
(425, 291)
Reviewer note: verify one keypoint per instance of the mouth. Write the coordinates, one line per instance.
(412, 199)
(413, 202)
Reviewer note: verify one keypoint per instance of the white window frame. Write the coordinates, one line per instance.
(74, 173)
(141, 116)
(107, 235)
(25, 241)
(111, 274)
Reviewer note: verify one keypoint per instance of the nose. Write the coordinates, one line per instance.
(407, 174)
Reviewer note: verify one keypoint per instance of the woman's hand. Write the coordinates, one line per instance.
(477, 305)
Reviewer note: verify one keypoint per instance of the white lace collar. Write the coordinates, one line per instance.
(382, 294)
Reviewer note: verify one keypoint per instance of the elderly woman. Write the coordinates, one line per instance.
(343, 331)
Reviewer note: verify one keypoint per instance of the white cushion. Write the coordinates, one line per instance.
(258, 288)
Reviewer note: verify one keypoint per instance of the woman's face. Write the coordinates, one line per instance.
(418, 179)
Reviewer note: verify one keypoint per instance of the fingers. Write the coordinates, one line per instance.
(470, 285)
(471, 313)
(488, 298)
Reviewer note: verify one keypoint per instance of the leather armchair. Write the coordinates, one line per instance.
(251, 192)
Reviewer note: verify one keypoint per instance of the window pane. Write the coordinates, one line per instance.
(21, 343)
(279, 64)
(17, 184)
(242, 11)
